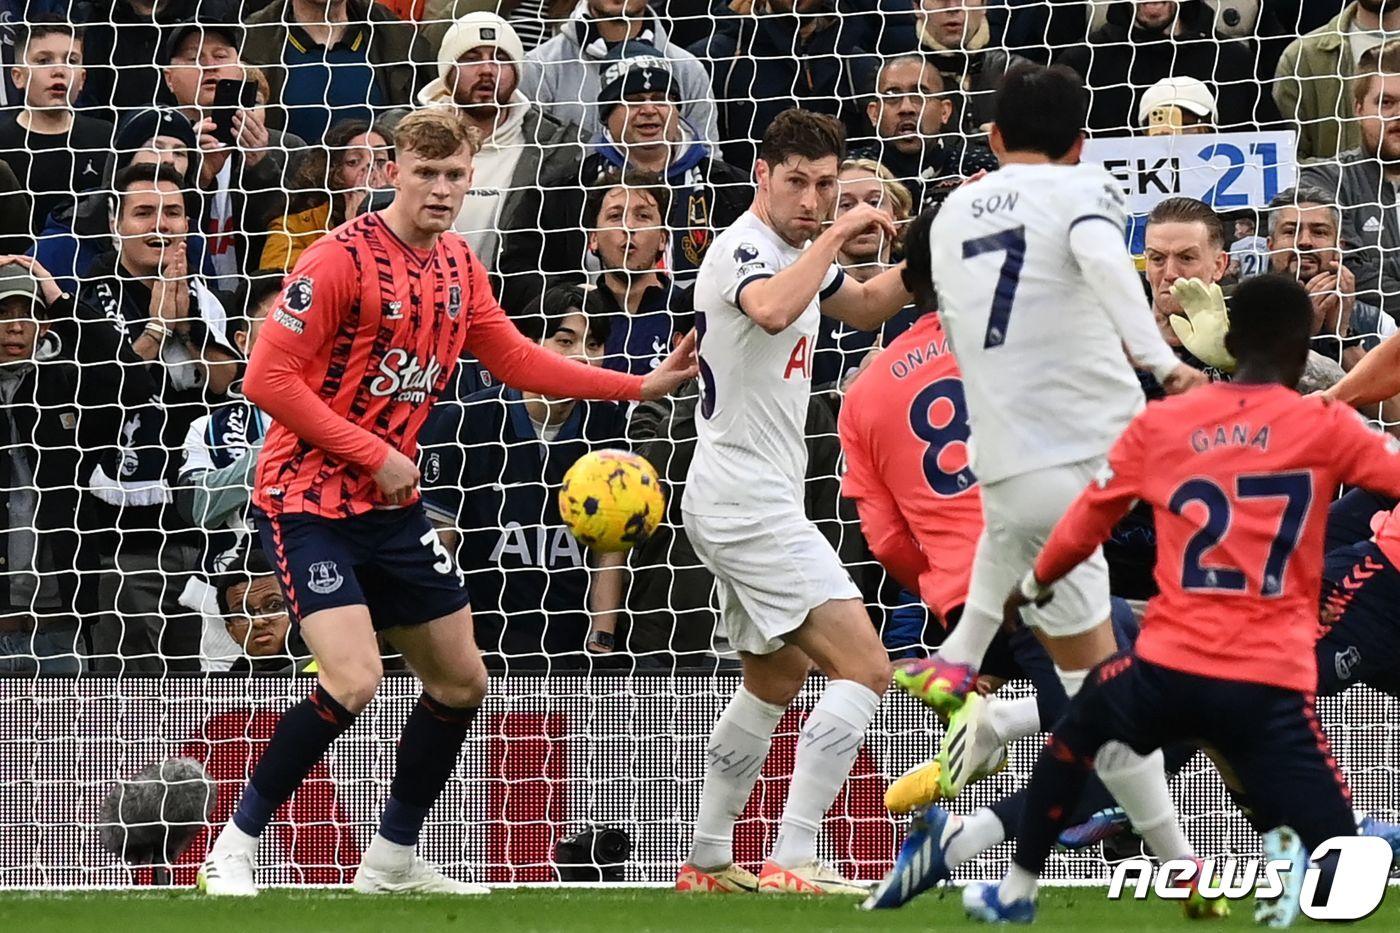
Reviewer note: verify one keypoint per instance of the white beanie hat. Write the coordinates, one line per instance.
(470, 32)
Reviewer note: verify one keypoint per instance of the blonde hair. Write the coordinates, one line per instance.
(900, 198)
(435, 133)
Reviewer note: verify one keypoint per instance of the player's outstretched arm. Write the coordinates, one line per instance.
(522, 364)
(867, 305)
(775, 301)
(1375, 379)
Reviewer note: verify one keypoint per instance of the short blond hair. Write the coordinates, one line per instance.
(900, 198)
(435, 133)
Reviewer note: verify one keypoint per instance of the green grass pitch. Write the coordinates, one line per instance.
(1063, 910)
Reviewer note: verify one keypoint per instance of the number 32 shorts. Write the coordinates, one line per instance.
(388, 560)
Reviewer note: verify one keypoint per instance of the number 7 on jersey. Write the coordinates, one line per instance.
(1013, 243)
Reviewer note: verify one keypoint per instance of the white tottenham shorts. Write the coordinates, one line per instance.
(1020, 513)
(770, 572)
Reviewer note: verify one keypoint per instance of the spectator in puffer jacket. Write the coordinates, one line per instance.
(644, 132)
(564, 75)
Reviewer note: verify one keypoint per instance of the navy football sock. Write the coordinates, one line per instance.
(300, 740)
(1056, 783)
(428, 752)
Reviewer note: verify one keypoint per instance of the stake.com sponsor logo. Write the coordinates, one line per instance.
(1363, 870)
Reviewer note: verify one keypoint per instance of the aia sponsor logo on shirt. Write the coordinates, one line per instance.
(404, 378)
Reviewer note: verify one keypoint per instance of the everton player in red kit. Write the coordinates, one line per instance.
(1239, 476)
(366, 335)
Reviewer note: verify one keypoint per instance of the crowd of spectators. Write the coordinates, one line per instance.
(164, 162)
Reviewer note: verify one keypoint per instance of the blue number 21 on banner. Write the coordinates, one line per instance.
(1220, 196)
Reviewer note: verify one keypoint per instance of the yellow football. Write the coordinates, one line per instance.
(611, 500)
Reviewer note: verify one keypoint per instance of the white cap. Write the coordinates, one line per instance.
(471, 32)
(1187, 93)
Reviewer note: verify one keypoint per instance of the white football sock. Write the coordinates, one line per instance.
(979, 832)
(1018, 885)
(384, 855)
(1010, 720)
(826, 749)
(734, 758)
(1139, 784)
(968, 641)
(1072, 681)
(233, 839)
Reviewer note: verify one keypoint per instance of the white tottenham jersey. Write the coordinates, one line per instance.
(1043, 366)
(750, 455)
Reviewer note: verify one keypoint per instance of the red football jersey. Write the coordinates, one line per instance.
(380, 326)
(1239, 478)
(904, 434)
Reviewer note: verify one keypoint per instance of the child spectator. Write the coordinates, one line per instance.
(643, 131)
(645, 312)
(255, 617)
(54, 152)
(329, 188)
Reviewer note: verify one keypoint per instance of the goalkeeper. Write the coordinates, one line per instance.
(1186, 258)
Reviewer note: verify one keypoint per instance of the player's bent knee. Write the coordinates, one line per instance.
(464, 689)
(353, 690)
(875, 675)
(779, 690)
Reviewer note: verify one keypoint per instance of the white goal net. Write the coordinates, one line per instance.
(164, 164)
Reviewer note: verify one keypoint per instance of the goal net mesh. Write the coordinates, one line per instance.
(137, 621)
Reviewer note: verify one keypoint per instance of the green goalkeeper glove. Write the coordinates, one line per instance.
(1202, 330)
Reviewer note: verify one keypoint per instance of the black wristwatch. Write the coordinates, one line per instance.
(601, 641)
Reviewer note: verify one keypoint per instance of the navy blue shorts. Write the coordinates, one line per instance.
(389, 560)
(1266, 741)
(1360, 643)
